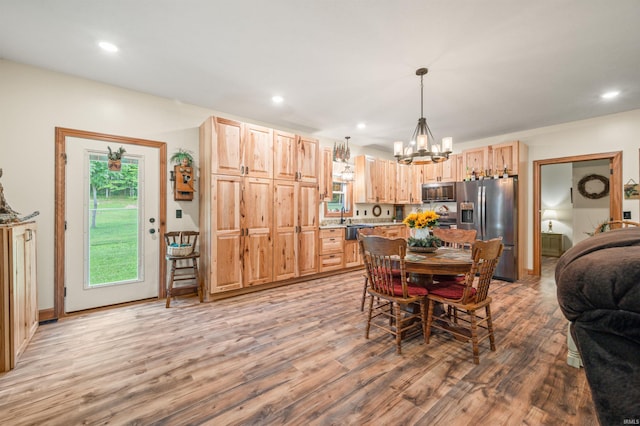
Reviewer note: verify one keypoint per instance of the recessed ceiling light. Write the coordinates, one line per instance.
(109, 47)
(277, 99)
(361, 125)
(610, 95)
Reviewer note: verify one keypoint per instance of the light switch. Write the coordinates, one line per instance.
(178, 214)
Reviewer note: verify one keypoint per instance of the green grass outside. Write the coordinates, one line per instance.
(113, 243)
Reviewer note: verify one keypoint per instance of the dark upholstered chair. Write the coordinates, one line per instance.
(598, 283)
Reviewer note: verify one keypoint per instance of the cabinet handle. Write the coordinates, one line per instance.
(29, 236)
(241, 170)
(246, 170)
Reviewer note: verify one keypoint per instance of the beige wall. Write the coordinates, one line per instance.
(34, 101)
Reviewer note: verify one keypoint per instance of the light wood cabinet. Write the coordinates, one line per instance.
(391, 231)
(307, 153)
(18, 291)
(331, 249)
(404, 184)
(325, 182)
(352, 255)
(476, 159)
(364, 190)
(391, 182)
(238, 230)
(295, 229)
(449, 169)
(242, 233)
(512, 155)
(285, 148)
(238, 149)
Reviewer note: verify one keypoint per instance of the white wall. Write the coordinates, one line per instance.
(608, 133)
(556, 196)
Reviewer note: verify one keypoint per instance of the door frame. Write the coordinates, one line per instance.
(60, 206)
(615, 192)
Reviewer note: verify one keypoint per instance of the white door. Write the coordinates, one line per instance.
(112, 237)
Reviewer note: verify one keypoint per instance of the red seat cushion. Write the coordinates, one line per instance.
(413, 290)
(449, 290)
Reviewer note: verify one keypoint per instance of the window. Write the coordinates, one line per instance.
(341, 199)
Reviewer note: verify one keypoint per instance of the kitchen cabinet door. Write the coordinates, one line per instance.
(307, 157)
(257, 218)
(226, 146)
(284, 155)
(308, 223)
(258, 151)
(326, 175)
(365, 180)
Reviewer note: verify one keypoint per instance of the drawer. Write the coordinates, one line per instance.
(332, 233)
(331, 245)
(331, 262)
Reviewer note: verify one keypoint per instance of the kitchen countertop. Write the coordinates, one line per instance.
(336, 225)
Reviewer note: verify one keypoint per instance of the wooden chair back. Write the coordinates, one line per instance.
(615, 224)
(458, 238)
(384, 263)
(485, 255)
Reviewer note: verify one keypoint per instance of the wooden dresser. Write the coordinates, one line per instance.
(552, 244)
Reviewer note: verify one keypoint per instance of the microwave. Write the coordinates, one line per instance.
(439, 191)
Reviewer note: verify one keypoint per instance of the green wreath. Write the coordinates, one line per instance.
(593, 195)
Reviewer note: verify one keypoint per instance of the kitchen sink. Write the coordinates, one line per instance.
(351, 233)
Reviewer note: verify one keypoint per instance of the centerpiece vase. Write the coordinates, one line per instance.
(421, 233)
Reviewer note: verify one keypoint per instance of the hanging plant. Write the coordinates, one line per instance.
(182, 157)
(115, 159)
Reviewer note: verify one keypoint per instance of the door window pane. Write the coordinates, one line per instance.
(113, 224)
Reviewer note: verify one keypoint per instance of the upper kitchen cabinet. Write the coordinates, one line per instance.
(449, 169)
(404, 187)
(326, 175)
(237, 149)
(476, 160)
(307, 159)
(364, 190)
(285, 155)
(510, 155)
(258, 151)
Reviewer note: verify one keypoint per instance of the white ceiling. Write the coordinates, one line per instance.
(495, 66)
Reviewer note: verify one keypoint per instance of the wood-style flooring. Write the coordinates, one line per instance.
(296, 355)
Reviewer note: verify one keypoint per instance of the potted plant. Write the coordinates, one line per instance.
(182, 157)
(420, 224)
(115, 159)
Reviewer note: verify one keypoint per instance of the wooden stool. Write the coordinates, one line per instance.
(183, 257)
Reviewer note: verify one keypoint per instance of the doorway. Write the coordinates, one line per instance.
(615, 199)
(109, 223)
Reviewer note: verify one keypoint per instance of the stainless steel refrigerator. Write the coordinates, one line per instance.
(490, 206)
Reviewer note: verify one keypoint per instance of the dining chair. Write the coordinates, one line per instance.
(456, 238)
(469, 298)
(183, 257)
(614, 224)
(364, 232)
(394, 314)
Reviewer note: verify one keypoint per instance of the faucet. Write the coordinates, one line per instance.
(342, 216)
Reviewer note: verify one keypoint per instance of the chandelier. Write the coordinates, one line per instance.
(341, 152)
(419, 150)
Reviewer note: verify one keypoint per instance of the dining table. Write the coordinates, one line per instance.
(444, 261)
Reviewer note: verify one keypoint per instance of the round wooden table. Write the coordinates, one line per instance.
(445, 261)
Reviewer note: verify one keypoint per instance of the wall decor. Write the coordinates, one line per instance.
(631, 190)
(592, 195)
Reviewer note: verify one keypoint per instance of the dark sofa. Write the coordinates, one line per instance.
(599, 292)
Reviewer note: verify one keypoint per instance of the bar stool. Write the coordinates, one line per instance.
(183, 255)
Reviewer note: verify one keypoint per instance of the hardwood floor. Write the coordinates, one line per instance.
(296, 355)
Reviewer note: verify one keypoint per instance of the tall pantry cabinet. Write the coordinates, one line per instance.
(246, 170)
(18, 291)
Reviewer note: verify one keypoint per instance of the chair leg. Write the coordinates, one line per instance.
(398, 330)
(474, 337)
(423, 317)
(366, 334)
(364, 293)
(492, 340)
(427, 333)
(170, 287)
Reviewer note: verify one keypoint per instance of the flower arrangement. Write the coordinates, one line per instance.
(421, 220)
